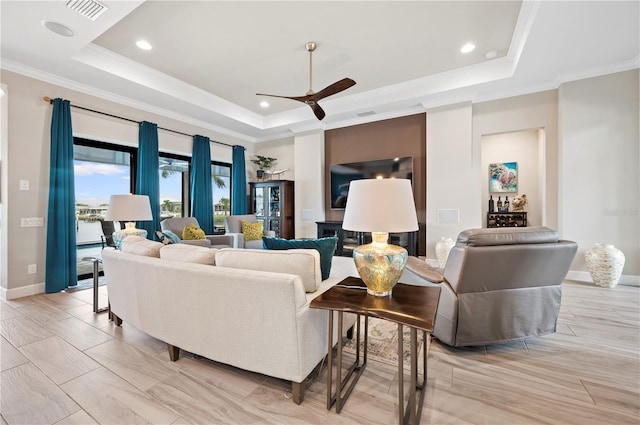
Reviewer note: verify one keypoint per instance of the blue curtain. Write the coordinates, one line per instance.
(61, 270)
(238, 183)
(148, 175)
(201, 195)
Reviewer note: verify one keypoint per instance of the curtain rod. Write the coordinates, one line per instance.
(49, 100)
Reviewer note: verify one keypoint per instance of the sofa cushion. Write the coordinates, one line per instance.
(304, 263)
(189, 254)
(167, 237)
(192, 232)
(507, 236)
(141, 246)
(325, 246)
(252, 231)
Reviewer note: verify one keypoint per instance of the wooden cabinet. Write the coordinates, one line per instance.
(272, 202)
(507, 219)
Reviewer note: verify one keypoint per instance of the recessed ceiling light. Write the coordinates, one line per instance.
(143, 44)
(264, 104)
(491, 54)
(59, 29)
(467, 48)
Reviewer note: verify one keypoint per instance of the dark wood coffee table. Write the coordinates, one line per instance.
(408, 305)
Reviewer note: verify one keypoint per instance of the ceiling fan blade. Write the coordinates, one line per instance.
(298, 98)
(317, 110)
(312, 98)
(334, 88)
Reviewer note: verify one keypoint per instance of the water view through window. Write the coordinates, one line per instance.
(99, 173)
(174, 181)
(221, 187)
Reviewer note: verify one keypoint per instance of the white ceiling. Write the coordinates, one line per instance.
(210, 58)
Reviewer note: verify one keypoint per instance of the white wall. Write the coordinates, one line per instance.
(514, 114)
(450, 165)
(25, 156)
(309, 177)
(521, 147)
(600, 187)
(4, 266)
(282, 150)
(304, 157)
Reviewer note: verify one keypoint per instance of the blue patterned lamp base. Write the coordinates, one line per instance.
(379, 264)
(120, 235)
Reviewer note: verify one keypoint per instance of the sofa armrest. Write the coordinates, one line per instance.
(198, 242)
(423, 270)
(220, 240)
(237, 240)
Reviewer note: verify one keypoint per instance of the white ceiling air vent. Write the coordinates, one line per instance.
(366, 114)
(88, 8)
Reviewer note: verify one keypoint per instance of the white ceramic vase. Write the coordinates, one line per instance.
(605, 264)
(443, 246)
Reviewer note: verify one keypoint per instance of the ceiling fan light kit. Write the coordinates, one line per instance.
(312, 98)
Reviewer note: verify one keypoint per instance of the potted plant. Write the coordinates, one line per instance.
(263, 163)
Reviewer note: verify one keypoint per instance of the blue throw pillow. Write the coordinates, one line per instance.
(167, 237)
(325, 246)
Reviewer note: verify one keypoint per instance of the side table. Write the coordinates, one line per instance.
(408, 305)
(96, 262)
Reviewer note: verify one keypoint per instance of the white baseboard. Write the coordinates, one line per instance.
(23, 291)
(582, 276)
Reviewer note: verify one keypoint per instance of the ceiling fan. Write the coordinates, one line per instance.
(312, 98)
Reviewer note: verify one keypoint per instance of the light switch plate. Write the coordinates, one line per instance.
(24, 184)
(32, 222)
(307, 215)
(449, 216)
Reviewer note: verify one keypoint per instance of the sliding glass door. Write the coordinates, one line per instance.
(221, 187)
(104, 169)
(101, 170)
(174, 186)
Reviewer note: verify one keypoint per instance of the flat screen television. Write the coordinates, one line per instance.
(343, 174)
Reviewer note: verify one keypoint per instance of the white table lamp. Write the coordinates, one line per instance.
(380, 206)
(128, 208)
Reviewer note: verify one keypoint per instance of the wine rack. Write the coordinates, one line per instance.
(507, 219)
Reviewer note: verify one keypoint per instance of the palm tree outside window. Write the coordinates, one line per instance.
(221, 187)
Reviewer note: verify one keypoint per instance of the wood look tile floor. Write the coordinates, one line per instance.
(61, 364)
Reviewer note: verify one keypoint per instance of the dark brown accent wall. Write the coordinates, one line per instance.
(405, 136)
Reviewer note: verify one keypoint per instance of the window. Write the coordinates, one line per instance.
(221, 187)
(100, 170)
(174, 186)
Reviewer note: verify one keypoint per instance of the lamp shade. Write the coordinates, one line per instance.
(380, 205)
(129, 208)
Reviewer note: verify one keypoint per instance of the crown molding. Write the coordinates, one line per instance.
(12, 66)
(107, 61)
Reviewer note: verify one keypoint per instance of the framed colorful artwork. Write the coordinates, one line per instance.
(503, 177)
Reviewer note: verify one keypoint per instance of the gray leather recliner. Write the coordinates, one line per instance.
(498, 285)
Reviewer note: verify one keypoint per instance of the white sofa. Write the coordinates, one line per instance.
(250, 310)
